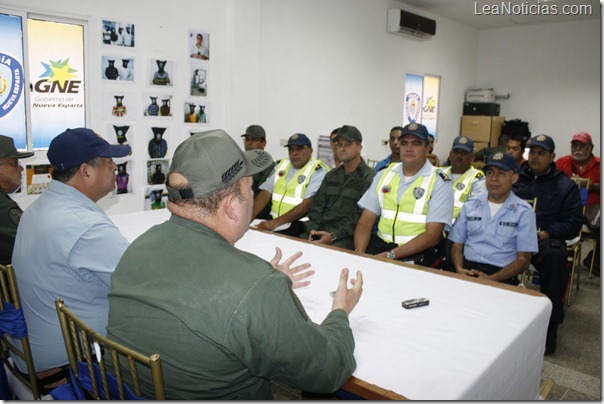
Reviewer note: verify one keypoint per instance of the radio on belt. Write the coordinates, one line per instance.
(413, 303)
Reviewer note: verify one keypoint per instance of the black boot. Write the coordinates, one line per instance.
(550, 340)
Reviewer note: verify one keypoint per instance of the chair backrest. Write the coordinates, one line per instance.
(90, 352)
(12, 324)
(532, 202)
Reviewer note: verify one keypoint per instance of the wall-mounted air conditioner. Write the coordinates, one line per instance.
(404, 22)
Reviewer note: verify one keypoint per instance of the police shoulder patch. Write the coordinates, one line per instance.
(15, 215)
(480, 175)
(442, 175)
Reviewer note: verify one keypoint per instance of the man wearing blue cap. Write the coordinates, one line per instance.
(291, 187)
(559, 218)
(414, 203)
(466, 180)
(495, 235)
(67, 247)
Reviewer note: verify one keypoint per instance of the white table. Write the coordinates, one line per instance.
(477, 340)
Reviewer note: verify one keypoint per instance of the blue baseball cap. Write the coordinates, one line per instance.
(542, 141)
(76, 146)
(417, 130)
(298, 139)
(463, 143)
(503, 161)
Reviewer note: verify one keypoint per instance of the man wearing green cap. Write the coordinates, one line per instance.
(224, 321)
(10, 181)
(334, 212)
(254, 138)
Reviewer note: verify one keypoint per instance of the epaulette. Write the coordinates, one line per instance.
(480, 174)
(442, 175)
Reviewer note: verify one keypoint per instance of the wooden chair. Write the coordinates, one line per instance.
(10, 305)
(90, 353)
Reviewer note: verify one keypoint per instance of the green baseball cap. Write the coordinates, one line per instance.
(255, 132)
(211, 161)
(350, 133)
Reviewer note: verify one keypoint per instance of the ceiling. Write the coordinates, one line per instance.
(470, 12)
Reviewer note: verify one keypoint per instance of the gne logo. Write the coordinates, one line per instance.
(57, 77)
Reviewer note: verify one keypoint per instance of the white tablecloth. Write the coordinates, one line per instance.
(472, 342)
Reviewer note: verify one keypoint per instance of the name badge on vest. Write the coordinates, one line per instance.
(418, 192)
(301, 179)
(460, 186)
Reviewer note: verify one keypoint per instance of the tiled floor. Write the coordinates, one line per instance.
(576, 366)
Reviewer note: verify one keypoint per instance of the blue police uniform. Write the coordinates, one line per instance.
(495, 240)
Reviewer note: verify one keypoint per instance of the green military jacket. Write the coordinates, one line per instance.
(10, 214)
(224, 321)
(257, 180)
(334, 207)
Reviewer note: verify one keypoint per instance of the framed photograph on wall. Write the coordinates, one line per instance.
(123, 185)
(157, 105)
(118, 105)
(117, 33)
(117, 68)
(121, 134)
(198, 45)
(197, 112)
(161, 72)
(198, 80)
(157, 170)
(155, 197)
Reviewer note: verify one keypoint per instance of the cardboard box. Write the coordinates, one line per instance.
(482, 128)
(480, 145)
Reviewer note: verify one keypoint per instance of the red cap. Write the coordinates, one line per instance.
(582, 137)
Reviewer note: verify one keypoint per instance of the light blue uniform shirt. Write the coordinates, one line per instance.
(495, 240)
(440, 204)
(66, 247)
(383, 163)
(316, 178)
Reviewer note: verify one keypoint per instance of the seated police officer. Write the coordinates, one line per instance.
(414, 203)
(495, 235)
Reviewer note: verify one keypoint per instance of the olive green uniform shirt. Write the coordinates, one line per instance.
(257, 180)
(10, 214)
(224, 321)
(334, 207)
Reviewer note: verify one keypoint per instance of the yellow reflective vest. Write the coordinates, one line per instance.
(462, 187)
(403, 220)
(288, 195)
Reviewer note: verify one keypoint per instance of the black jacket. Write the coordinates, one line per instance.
(559, 209)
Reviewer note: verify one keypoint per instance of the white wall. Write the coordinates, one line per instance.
(552, 72)
(312, 65)
(328, 63)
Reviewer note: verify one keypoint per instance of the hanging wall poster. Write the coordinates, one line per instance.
(118, 105)
(431, 104)
(157, 171)
(12, 101)
(413, 99)
(123, 185)
(56, 70)
(197, 112)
